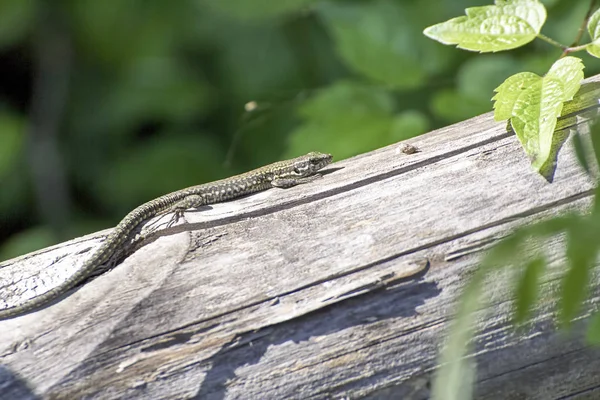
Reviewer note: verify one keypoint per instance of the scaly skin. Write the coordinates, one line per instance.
(282, 174)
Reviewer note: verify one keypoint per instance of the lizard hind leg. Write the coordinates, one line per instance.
(178, 208)
(191, 201)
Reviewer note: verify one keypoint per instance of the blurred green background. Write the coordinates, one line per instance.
(107, 104)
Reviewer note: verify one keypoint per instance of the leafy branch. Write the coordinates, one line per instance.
(529, 102)
(519, 251)
(532, 105)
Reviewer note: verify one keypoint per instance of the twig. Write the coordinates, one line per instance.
(574, 46)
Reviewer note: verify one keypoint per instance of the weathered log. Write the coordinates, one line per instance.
(302, 293)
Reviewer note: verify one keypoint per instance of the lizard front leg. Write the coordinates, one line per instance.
(285, 183)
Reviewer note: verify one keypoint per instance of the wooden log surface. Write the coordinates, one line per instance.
(308, 293)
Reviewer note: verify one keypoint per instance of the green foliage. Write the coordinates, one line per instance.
(593, 332)
(13, 136)
(16, 17)
(455, 379)
(509, 92)
(582, 251)
(26, 241)
(454, 106)
(522, 248)
(593, 27)
(158, 88)
(527, 289)
(479, 76)
(532, 103)
(157, 92)
(370, 119)
(507, 25)
(581, 153)
(190, 158)
(257, 9)
(375, 40)
(13, 183)
(456, 370)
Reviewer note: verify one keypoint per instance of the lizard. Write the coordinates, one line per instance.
(282, 174)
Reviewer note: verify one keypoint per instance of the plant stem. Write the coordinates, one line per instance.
(573, 49)
(581, 30)
(551, 41)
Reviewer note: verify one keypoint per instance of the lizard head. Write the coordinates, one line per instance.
(312, 162)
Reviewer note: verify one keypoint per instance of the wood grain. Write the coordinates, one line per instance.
(302, 293)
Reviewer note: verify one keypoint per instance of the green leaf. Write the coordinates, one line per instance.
(553, 226)
(141, 174)
(353, 100)
(367, 123)
(257, 9)
(593, 332)
(534, 118)
(565, 22)
(581, 152)
(15, 202)
(509, 91)
(507, 25)
(164, 90)
(547, 169)
(455, 106)
(595, 138)
(593, 48)
(16, 19)
(101, 27)
(570, 71)
(159, 88)
(12, 138)
(456, 376)
(594, 30)
(26, 241)
(269, 51)
(373, 38)
(582, 251)
(533, 105)
(596, 207)
(479, 76)
(527, 289)
(407, 124)
(510, 249)
(586, 97)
